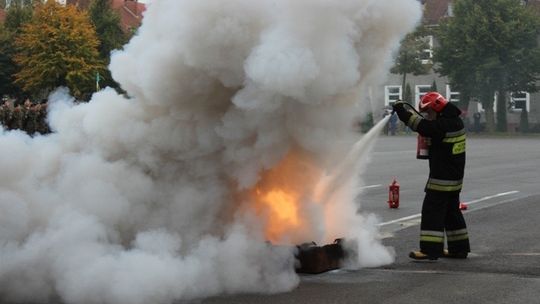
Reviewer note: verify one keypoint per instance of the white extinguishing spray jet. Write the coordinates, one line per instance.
(350, 165)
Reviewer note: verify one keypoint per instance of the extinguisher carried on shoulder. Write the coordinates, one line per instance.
(393, 194)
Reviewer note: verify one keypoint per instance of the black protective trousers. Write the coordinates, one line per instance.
(441, 217)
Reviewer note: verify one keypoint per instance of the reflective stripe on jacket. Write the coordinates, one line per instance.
(446, 149)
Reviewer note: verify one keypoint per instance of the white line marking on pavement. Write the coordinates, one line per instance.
(410, 217)
(370, 186)
(490, 197)
(394, 152)
(533, 254)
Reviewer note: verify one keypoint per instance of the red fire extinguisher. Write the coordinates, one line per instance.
(422, 147)
(393, 194)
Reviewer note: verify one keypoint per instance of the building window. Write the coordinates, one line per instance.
(519, 101)
(391, 94)
(451, 96)
(419, 91)
(426, 57)
(450, 11)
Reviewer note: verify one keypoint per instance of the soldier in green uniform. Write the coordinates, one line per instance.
(3, 112)
(42, 126)
(30, 118)
(18, 118)
(7, 115)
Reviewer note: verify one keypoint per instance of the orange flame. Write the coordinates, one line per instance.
(283, 195)
(283, 205)
(283, 213)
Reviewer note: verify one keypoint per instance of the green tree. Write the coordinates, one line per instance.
(524, 121)
(410, 55)
(58, 47)
(490, 47)
(408, 97)
(434, 86)
(4, 3)
(7, 66)
(109, 32)
(16, 16)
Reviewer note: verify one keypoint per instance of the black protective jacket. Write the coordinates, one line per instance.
(446, 138)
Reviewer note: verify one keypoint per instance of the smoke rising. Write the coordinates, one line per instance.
(143, 198)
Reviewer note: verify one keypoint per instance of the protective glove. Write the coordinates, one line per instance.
(398, 106)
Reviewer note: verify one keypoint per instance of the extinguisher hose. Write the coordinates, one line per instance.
(410, 106)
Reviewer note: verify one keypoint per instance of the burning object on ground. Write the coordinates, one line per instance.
(168, 192)
(315, 259)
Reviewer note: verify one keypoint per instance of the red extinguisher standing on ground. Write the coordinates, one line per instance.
(393, 194)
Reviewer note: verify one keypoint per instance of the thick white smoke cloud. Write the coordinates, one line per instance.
(136, 199)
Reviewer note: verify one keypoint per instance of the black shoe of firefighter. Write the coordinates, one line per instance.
(420, 256)
(454, 255)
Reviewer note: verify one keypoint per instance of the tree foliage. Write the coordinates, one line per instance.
(433, 86)
(109, 32)
(58, 47)
(408, 96)
(4, 3)
(108, 28)
(16, 15)
(489, 47)
(7, 66)
(410, 55)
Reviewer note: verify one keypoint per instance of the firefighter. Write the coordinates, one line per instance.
(441, 215)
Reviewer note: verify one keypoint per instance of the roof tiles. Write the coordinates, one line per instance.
(2, 15)
(435, 10)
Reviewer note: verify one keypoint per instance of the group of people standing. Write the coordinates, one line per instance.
(29, 117)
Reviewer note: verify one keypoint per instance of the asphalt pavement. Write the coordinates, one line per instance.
(502, 190)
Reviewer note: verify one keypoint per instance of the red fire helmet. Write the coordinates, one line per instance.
(433, 100)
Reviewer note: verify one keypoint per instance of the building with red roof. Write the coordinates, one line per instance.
(2, 15)
(436, 10)
(130, 11)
